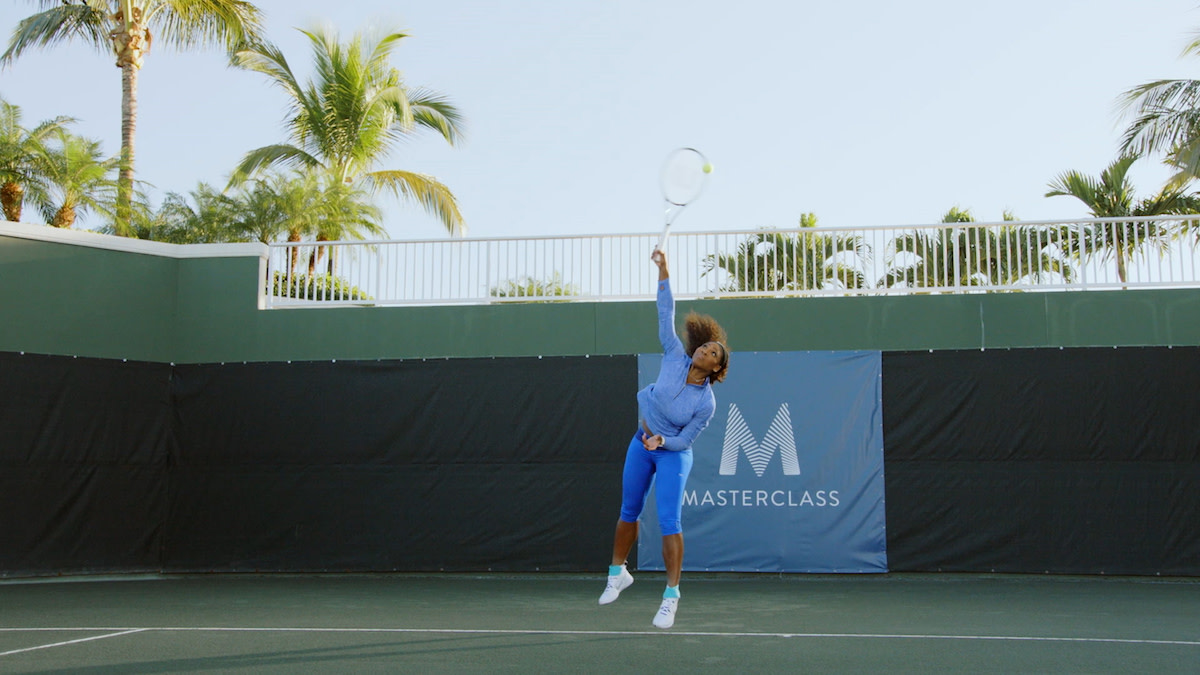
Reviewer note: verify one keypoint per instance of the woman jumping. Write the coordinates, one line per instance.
(674, 410)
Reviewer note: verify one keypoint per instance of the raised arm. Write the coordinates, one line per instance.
(666, 307)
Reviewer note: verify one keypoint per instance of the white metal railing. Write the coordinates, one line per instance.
(1092, 254)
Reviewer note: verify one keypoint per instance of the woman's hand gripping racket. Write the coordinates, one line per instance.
(684, 176)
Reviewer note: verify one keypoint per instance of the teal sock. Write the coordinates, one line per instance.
(614, 570)
(671, 592)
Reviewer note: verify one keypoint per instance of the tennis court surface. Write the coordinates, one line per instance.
(896, 623)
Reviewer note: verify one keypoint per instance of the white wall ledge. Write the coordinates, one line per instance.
(128, 245)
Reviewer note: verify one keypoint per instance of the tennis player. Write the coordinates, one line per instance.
(674, 410)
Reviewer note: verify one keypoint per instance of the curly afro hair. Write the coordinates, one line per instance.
(702, 329)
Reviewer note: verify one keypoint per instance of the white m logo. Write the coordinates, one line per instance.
(779, 437)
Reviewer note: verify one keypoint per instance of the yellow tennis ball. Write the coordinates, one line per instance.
(707, 168)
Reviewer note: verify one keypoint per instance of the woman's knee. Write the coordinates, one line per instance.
(669, 527)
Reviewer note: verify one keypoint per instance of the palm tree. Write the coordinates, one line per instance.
(1013, 253)
(1112, 196)
(270, 208)
(301, 204)
(348, 118)
(345, 212)
(125, 29)
(78, 177)
(22, 158)
(793, 261)
(933, 261)
(972, 256)
(278, 206)
(274, 207)
(1166, 118)
(206, 219)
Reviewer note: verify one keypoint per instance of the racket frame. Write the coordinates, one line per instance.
(672, 209)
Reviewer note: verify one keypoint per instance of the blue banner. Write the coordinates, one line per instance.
(788, 476)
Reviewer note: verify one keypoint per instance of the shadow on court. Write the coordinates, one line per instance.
(551, 623)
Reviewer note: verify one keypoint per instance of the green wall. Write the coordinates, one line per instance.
(63, 299)
(66, 296)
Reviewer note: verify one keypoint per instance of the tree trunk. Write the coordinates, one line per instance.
(130, 40)
(293, 251)
(316, 256)
(65, 217)
(1121, 237)
(129, 78)
(12, 196)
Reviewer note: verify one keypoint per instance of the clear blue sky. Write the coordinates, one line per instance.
(866, 113)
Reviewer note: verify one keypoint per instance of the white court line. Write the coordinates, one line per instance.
(602, 633)
(71, 642)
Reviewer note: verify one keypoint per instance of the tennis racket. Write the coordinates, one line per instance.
(684, 176)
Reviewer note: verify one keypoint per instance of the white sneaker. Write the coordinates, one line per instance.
(666, 613)
(615, 585)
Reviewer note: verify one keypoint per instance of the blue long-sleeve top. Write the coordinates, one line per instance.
(671, 407)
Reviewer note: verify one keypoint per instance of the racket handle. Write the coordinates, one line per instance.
(662, 239)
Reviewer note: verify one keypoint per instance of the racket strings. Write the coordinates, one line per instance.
(683, 176)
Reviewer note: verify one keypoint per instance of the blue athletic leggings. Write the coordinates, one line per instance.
(669, 472)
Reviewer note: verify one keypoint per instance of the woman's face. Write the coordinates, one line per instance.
(709, 356)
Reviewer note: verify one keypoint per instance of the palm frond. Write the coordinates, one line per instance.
(268, 59)
(1164, 114)
(1110, 196)
(435, 112)
(1185, 157)
(394, 99)
(187, 24)
(432, 195)
(60, 23)
(380, 48)
(270, 156)
(1073, 184)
